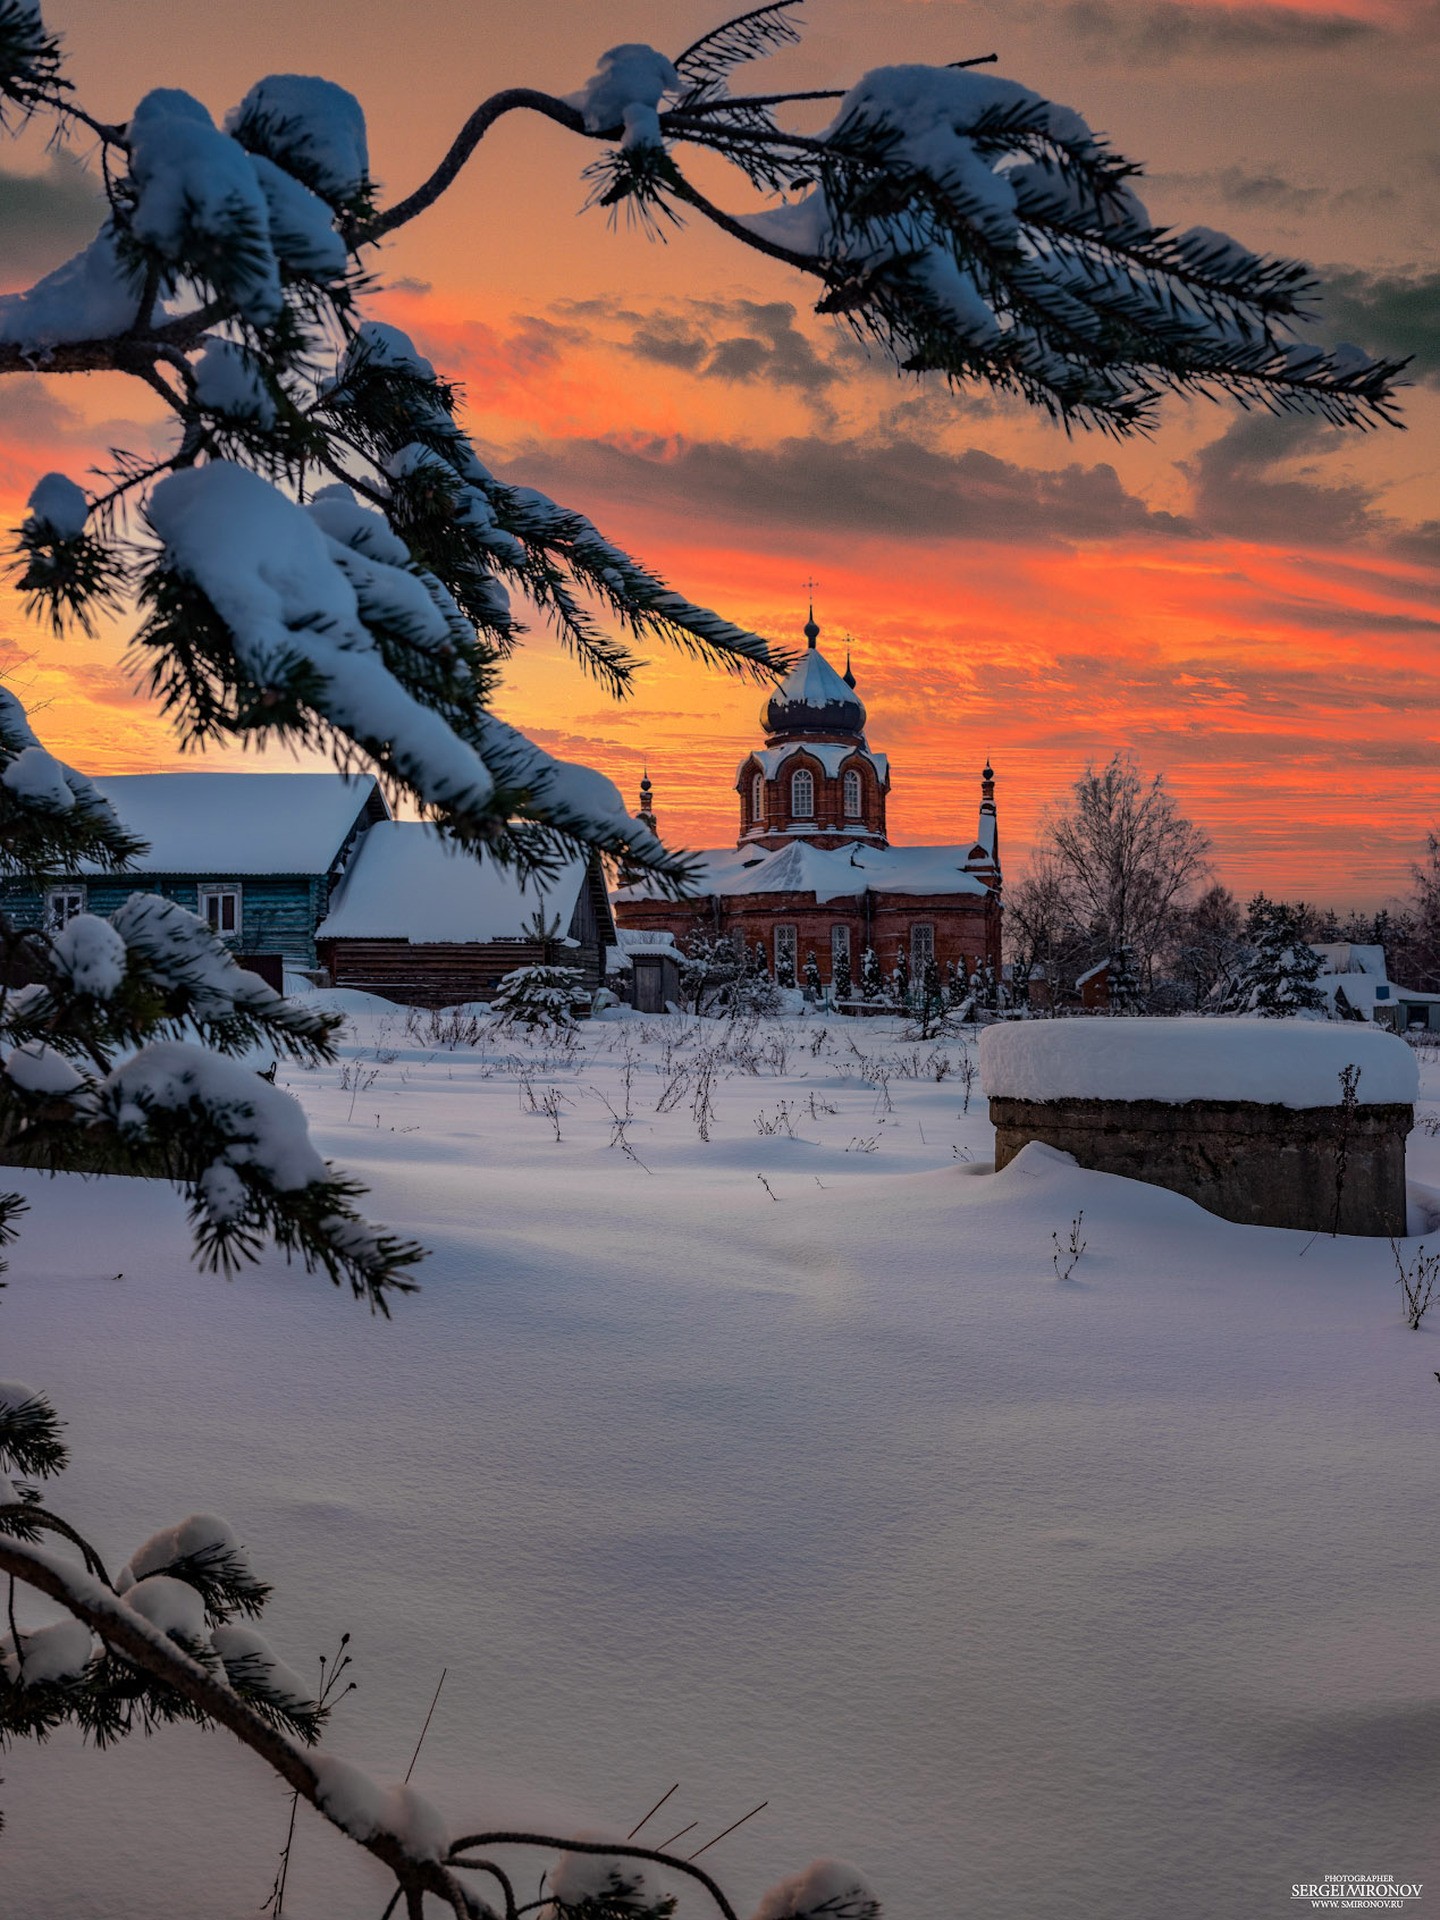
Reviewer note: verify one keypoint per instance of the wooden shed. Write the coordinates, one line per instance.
(423, 923)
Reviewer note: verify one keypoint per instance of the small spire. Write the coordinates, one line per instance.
(987, 782)
(849, 674)
(646, 815)
(812, 631)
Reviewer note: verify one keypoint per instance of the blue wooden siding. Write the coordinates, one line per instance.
(278, 912)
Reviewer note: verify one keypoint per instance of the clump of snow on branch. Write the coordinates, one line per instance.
(177, 952)
(59, 505)
(202, 1536)
(250, 1662)
(39, 1070)
(91, 955)
(362, 1807)
(228, 382)
(612, 1883)
(826, 1890)
(36, 777)
(626, 88)
(197, 199)
(263, 1127)
(302, 225)
(271, 576)
(171, 1605)
(42, 782)
(48, 1655)
(95, 295)
(310, 128)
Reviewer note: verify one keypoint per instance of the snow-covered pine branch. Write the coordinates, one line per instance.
(119, 1052)
(161, 1643)
(962, 222)
(50, 816)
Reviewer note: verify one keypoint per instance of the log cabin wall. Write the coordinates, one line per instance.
(433, 975)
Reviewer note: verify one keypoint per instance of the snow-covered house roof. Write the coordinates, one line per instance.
(647, 939)
(840, 873)
(1352, 956)
(407, 882)
(237, 823)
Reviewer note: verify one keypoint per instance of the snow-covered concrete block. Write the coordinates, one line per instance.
(1272, 1123)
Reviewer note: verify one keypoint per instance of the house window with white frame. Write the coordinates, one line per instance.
(839, 948)
(854, 795)
(922, 949)
(61, 906)
(757, 800)
(802, 795)
(220, 910)
(786, 948)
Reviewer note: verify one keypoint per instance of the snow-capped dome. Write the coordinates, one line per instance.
(813, 697)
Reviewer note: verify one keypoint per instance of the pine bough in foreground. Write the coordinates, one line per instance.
(322, 558)
(163, 1641)
(122, 1050)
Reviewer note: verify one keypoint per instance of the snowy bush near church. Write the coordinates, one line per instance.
(542, 998)
(963, 224)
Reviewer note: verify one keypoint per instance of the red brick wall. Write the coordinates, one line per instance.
(967, 926)
(829, 803)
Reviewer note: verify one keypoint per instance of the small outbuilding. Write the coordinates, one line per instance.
(645, 969)
(422, 922)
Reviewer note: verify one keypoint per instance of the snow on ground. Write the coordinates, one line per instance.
(1042, 1598)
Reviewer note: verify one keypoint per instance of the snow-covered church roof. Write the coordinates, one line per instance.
(839, 873)
(407, 882)
(224, 823)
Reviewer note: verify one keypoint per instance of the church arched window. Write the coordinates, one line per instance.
(757, 799)
(853, 796)
(802, 794)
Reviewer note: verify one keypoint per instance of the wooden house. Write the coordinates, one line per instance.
(421, 922)
(257, 854)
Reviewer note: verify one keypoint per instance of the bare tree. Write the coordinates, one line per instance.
(1121, 859)
(1208, 951)
(1041, 933)
(1419, 928)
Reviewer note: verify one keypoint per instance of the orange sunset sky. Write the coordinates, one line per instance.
(1248, 605)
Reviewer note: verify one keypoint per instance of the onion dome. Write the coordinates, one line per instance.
(813, 697)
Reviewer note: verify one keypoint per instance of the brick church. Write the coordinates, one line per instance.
(813, 870)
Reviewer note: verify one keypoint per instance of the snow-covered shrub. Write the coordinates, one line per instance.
(542, 997)
(1279, 975)
(841, 984)
(900, 977)
(872, 985)
(710, 966)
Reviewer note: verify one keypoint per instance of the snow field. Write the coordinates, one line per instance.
(1023, 1594)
